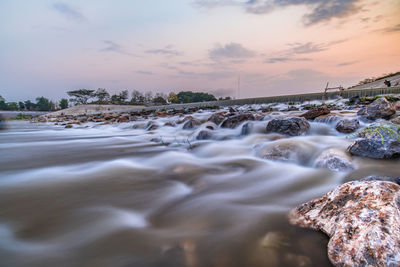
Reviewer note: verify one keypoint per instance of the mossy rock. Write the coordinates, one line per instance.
(383, 131)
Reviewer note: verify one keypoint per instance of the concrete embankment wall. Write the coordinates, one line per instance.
(282, 99)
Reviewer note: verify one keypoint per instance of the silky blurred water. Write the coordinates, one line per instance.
(111, 195)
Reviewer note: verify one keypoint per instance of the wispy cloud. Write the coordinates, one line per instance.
(69, 12)
(307, 48)
(166, 51)
(394, 28)
(114, 47)
(230, 51)
(285, 59)
(144, 72)
(346, 63)
(319, 10)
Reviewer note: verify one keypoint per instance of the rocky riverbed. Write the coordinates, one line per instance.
(204, 187)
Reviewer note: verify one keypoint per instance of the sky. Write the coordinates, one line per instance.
(238, 48)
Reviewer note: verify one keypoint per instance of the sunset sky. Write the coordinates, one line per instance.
(275, 46)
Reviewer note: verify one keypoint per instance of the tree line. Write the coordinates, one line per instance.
(102, 96)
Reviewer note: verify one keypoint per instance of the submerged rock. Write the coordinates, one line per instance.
(190, 124)
(204, 135)
(379, 109)
(347, 125)
(291, 126)
(362, 219)
(380, 141)
(316, 112)
(235, 120)
(247, 128)
(334, 160)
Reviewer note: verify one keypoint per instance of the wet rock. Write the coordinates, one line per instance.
(291, 126)
(291, 259)
(68, 126)
(235, 120)
(379, 109)
(354, 100)
(216, 118)
(140, 125)
(380, 141)
(334, 160)
(395, 120)
(362, 219)
(170, 124)
(395, 180)
(190, 124)
(287, 150)
(123, 119)
(204, 135)
(247, 128)
(315, 112)
(347, 125)
(151, 125)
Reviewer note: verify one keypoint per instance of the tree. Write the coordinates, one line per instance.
(137, 97)
(43, 104)
(29, 105)
(191, 97)
(123, 96)
(102, 95)
(63, 103)
(148, 97)
(159, 100)
(80, 96)
(12, 106)
(3, 105)
(21, 105)
(173, 98)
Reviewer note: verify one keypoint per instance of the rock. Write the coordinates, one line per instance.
(190, 124)
(395, 180)
(362, 219)
(315, 112)
(287, 150)
(235, 120)
(68, 126)
(291, 126)
(380, 141)
(291, 259)
(354, 100)
(347, 125)
(123, 119)
(217, 118)
(247, 128)
(204, 135)
(170, 124)
(396, 105)
(379, 109)
(334, 160)
(395, 120)
(151, 125)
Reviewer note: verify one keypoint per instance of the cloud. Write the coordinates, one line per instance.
(285, 59)
(394, 28)
(144, 72)
(230, 51)
(114, 47)
(69, 12)
(307, 48)
(346, 63)
(166, 51)
(319, 10)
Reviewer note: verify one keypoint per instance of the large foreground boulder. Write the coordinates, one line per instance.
(235, 120)
(290, 126)
(379, 141)
(362, 219)
(379, 109)
(316, 112)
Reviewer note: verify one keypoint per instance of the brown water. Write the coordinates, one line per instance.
(115, 196)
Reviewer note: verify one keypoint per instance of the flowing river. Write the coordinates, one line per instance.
(111, 195)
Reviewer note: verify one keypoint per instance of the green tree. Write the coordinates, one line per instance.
(102, 95)
(191, 97)
(137, 97)
(12, 106)
(29, 105)
(123, 96)
(3, 105)
(159, 100)
(80, 96)
(21, 105)
(43, 104)
(63, 103)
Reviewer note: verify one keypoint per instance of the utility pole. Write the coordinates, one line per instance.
(238, 87)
